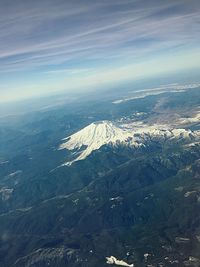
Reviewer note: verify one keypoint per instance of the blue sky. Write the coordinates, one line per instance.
(47, 46)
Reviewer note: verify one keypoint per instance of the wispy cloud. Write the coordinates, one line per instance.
(42, 31)
(61, 36)
(68, 71)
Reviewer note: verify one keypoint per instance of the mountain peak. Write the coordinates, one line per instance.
(95, 136)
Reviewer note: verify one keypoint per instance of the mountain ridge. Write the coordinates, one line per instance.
(134, 134)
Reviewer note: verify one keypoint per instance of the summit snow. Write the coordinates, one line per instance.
(95, 136)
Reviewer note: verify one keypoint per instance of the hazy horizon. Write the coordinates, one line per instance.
(73, 46)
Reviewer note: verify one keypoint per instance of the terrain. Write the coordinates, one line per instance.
(107, 181)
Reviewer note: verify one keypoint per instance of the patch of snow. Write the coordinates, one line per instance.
(25, 209)
(113, 260)
(182, 240)
(169, 88)
(179, 188)
(189, 193)
(143, 95)
(193, 259)
(139, 113)
(75, 201)
(188, 120)
(6, 193)
(4, 162)
(116, 198)
(146, 255)
(193, 144)
(15, 173)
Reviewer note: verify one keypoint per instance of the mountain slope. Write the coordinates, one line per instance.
(95, 136)
(134, 134)
(148, 205)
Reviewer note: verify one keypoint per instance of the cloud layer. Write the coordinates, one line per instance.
(47, 36)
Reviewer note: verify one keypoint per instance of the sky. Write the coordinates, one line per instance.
(51, 46)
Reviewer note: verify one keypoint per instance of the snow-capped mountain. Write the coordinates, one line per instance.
(95, 136)
(134, 134)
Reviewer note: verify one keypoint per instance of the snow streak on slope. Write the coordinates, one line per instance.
(113, 260)
(135, 134)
